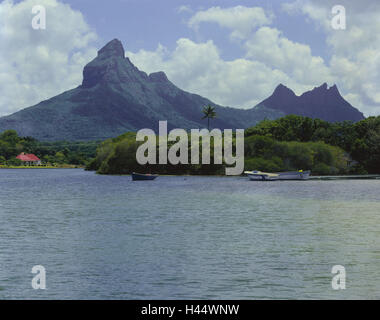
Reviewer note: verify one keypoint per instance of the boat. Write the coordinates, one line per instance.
(269, 176)
(143, 176)
(261, 176)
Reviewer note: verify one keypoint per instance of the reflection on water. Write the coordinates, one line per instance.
(106, 237)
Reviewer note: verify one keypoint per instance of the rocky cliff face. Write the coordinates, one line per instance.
(321, 102)
(111, 68)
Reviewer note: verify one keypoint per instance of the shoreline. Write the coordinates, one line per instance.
(39, 167)
(327, 177)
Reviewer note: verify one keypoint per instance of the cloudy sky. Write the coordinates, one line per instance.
(233, 52)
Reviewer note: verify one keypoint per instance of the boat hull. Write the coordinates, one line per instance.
(294, 175)
(143, 177)
(260, 177)
(291, 175)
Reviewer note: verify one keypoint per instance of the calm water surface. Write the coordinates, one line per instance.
(106, 237)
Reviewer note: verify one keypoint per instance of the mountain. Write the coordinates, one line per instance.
(321, 102)
(116, 97)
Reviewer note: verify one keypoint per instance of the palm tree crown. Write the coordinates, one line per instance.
(209, 113)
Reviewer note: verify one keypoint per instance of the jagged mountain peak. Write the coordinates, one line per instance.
(111, 67)
(323, 86)
(321, 102)
(115, 97)
(281, 87)
(334, 90)
(281, 95)
(324, 90)
(283, 90)
(114, 48)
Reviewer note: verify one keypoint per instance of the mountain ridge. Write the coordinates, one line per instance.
(115, 97)
(321, 102)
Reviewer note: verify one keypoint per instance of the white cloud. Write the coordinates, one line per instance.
(269, 59)
(38, 64)
(269, 46)
(199, 68)
(241, 20)
(184, 9)
(355, 52)
(320, 15)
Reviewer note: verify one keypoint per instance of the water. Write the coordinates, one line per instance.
(106, 237)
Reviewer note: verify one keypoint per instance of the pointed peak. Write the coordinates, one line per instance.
(323, 86)
(280, 86)
(333, 91)
(114, 48)
(282, 89)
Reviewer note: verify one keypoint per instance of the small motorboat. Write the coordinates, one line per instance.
(268, 176)
(261, 176)
(143, 176)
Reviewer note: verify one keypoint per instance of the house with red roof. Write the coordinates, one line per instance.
(29, 159)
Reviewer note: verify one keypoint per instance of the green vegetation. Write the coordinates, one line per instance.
(52, 154)
(118, 156)
(360, 140)
(288, 143)
(266, 154)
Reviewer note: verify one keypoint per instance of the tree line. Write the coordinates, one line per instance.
(50, 153)
(360, 141)
(288, 143)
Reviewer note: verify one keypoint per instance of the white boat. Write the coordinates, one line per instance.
(268, 176)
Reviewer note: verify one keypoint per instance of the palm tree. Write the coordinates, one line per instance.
(209, 113)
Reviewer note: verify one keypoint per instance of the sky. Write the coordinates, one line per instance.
(232, 52)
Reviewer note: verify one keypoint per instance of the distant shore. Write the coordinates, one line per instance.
(42, 167)
(316, 177)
